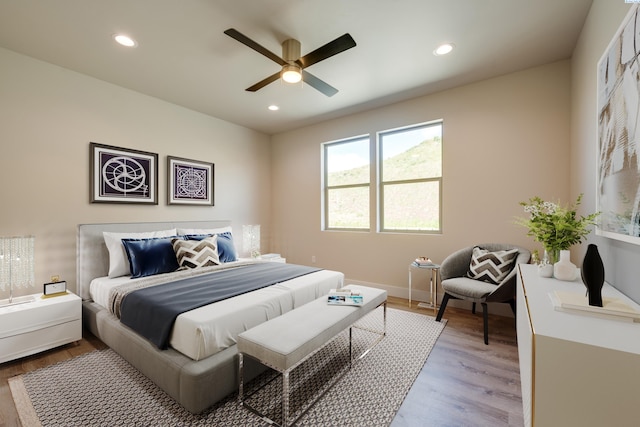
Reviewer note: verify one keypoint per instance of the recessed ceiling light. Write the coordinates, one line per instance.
(273, 107)
(443, 49)
(124, 40)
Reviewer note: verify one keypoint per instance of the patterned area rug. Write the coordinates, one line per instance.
(102, 389)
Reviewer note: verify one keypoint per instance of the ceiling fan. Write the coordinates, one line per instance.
(293, 65)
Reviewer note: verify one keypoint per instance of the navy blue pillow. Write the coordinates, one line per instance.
(226, 248)
(150, 256)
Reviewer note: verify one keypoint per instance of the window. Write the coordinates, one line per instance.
(410, 178)
(408, 174)
(347, 177)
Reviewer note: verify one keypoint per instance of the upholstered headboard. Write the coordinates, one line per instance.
(92, 254)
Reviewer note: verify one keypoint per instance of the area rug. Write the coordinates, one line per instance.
(101, 389)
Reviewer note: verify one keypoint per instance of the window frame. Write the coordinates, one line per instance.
(326, 188)
(382, 184)
(376, 184)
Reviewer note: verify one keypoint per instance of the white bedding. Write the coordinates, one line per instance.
(207, 330)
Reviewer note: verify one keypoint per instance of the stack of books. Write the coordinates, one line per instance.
(344, 296)
(423, 261)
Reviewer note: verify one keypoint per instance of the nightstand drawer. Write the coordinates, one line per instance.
(39, 325)
(39, 340)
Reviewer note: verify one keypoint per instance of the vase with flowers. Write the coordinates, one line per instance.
(556, 227)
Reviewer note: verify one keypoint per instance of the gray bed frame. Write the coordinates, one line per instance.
(196, 385)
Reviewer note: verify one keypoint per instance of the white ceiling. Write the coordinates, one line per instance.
(183, 56)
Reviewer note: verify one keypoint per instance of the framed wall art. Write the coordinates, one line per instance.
(121, 175)
(618, 100)
(189, 182)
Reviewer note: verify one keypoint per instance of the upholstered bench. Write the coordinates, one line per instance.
(286, 341)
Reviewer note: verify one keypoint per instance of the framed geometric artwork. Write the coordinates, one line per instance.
(618, 100)
(121, 175)
(189, 182)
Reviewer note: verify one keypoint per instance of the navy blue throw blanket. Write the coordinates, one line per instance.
(152, 311)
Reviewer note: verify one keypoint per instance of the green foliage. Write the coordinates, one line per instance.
(556, 227)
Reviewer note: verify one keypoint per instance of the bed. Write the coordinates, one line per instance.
(199, 367)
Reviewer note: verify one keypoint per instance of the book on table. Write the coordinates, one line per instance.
(423, 261)
(344, 296)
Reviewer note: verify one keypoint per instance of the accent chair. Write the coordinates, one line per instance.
(482, 274)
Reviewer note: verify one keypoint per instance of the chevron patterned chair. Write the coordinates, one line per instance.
(481, 274)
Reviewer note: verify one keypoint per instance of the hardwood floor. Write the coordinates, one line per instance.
(463, 383)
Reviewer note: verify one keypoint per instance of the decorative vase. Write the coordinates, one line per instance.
(593, 275)
(551, 256)
(565, 269)
(545, 267)
(545, 270)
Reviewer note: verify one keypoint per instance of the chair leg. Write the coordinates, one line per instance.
(485, 315)
(443, 305)
(473, 308)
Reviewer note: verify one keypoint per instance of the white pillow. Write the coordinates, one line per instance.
(118, 261)
(183, 231)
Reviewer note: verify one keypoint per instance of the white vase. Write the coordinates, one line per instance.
(545, 270)
(564, 269)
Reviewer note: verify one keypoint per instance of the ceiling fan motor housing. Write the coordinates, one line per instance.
(290, 50)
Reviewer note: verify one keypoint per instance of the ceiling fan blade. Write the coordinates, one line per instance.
(334, 47)
(272, 78)
(235, 34)
(318, 84)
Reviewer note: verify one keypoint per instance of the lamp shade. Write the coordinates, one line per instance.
(16, 264)
(291, 73)
(251, 240)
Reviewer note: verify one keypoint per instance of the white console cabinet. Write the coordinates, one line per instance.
(39, 325)
(576, 369)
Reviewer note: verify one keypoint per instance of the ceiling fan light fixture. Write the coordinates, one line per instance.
(291, 73)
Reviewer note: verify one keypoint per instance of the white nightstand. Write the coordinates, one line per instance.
(39, 325)
(274, 258)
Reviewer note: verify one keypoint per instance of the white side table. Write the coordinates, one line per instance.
(433, 285)
(39, 325)
(273, 258)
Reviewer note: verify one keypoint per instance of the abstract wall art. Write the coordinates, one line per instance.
(618, 179)
(122, 175)
(189, 182)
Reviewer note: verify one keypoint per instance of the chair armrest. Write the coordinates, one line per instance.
(456, 264)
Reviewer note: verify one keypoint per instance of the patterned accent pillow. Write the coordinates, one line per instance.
(491, 267)
(196, 253)
(226, 247)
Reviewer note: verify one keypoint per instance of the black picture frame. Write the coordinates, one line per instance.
(122, 175)
(190, 182)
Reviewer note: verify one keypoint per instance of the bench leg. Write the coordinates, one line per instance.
(240, 378)
(350, 348)
(285, 398)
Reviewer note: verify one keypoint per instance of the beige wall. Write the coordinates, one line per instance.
(514, 129)
(505, 140)
(622, 268)
(49, 115)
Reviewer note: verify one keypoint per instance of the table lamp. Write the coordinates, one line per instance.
(16, 268)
